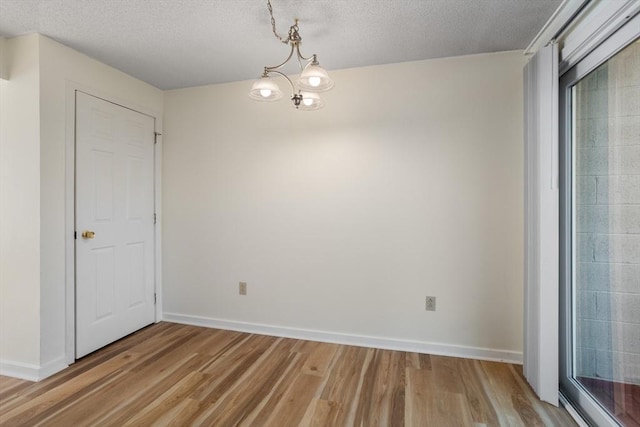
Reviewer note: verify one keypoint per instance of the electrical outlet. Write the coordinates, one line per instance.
(430, 304)
(242, 288)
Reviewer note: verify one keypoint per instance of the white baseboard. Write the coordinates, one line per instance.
(53, 367)
(24, 371)
(30, 372)
(348, 339)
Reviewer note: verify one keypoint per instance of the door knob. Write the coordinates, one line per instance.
(88, 234)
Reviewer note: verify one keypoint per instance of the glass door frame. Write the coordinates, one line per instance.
(570, 389)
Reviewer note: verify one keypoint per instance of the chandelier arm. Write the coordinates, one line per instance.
(302, 57)
(275, 67)
(300, 62)
(293, 88)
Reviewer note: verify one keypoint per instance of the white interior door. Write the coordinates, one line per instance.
(115, 283)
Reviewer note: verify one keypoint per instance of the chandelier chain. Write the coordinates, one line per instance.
(273, 24)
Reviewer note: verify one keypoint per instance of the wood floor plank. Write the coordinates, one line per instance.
(89, 406)
(418, 361)
(33, 408)
(381, 399)
(418, 388)
(344, 381)
(293, 405)
(182, 415)
(180, 375)
(178, 346)
(152, 384)
(10, 386)
(319, 414)
(255, 387)
(510, 404)
(228, 369)
(451, 409)
(446, 374)
(167, 401)
(271, 404)
(10, 402)
(113, 401)
(319, 359)
(429, 405)
(482, 411)
(425, 361)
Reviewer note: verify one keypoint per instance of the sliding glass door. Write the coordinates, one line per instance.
(600, 231)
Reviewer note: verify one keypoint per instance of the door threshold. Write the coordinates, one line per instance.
(572, 411)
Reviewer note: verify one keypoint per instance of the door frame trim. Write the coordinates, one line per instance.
(70, 172)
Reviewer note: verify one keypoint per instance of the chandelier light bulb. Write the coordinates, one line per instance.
(265, 93)
(307, 101)
(314, 81)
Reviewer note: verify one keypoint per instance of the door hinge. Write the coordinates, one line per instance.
(75, 235)
(155, 137)
(154, 218)
(155, 298)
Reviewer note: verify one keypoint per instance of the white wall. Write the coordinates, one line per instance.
(35, 208)
(20, 205)
(408, 183)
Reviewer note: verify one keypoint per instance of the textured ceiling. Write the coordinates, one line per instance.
(181, 43)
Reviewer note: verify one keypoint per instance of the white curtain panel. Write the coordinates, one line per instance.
(541, 223)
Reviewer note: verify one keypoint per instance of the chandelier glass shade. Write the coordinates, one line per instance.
(313, 78)
(310, 101)
(265, 89)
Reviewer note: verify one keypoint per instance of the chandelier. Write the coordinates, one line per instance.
(313, 78)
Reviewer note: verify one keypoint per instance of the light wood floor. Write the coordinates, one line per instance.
(169, 374)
